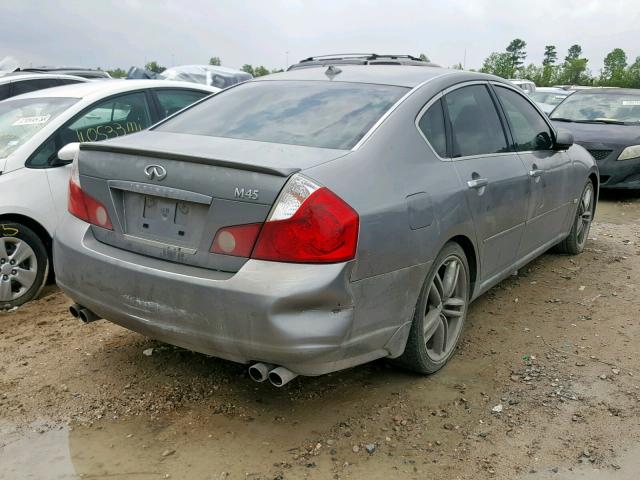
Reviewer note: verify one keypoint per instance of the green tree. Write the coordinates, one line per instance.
(534, 73)
(154, 67)
(117, 73)
(260, 71)
(632, 75)
(574, 53)
(424, 58)
(517, 53)
(574, 69)
(614, 71)
(550, 55)
(215, 61)
(499, 64)
(277, 70)
(248, 68)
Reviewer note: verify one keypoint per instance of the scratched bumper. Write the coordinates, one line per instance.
(298, 316)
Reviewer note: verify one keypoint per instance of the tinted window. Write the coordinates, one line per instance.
(529, 130)
(316, 114)
(108, 119)
(172, 101)
(26, 86)
(475, 124)
(67, 81)
(432, 125)
(4, 91)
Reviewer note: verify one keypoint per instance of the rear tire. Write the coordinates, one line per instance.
(577, 239)
(440, 313)
(24, 265)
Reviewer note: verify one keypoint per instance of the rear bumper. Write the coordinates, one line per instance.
(302, 317)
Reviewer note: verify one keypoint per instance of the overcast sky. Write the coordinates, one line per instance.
(131, 32)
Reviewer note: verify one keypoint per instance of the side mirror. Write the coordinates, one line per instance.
(67, 153)
(564, 139)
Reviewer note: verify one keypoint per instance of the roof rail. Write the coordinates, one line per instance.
(366, 56)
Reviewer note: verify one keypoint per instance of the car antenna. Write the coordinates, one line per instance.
(332, 71)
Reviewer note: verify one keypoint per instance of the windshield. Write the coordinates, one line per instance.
(587, 107)
(22, 119)
(548, 98)
(308, 113)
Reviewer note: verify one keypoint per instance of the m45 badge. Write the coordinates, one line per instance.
(247, 193)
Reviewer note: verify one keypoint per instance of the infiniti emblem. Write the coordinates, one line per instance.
(155, 172)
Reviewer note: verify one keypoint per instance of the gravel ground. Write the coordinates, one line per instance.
(545, 384)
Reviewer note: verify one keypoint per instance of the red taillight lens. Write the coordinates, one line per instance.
(87, 208)
(237, 240)
(324, 229)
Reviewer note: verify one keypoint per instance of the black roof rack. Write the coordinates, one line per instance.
(361, 59)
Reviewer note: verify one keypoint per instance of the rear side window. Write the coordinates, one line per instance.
(309, 113)
(528, 128)
(27, 86)
(67, 81)
(432, 126)
(172, 101)
(4, 91)
(475, 125)
(111, 118)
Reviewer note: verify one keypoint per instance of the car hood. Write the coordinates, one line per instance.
(593, 134)
(272, 158)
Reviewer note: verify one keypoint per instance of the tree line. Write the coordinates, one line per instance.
(573, 70)
(155, 67)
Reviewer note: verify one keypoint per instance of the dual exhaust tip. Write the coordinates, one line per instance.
(84, 314)
(259, 372)
(278, 376)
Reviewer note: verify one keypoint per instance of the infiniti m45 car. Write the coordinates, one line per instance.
(321, 218)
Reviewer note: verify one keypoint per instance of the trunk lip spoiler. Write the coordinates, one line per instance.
(278, 171)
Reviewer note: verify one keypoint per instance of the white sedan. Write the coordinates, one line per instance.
(33, 180)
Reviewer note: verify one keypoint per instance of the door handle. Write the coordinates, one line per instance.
(536, 173)
(478, 183)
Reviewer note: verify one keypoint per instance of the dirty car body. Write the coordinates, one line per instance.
(215, 272)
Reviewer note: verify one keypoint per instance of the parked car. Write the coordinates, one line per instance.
(213, 75)
(549, 98)
(526, 85)
(88, 73)
(18, 83)
(360, 59)
(317, 219)
(606, 122)
(33, 181)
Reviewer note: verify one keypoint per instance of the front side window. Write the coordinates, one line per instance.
(172, 101)
(529, 130)
(26, 86)
(110, 118)
(475, 125)
(21, 119)
(308, 113)
(432, 126)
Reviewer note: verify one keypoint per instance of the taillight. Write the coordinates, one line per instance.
(84, 206)
(237, 240)
(309, 224)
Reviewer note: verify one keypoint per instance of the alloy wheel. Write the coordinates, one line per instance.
(585, 215)
(446, 306)
(18, 268)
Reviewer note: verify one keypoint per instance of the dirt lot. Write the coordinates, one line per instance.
(546, 384)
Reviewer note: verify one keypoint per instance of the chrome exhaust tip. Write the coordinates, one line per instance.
(259, 372)
(280, 376)
(74, 310)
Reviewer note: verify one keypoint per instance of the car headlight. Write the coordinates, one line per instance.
(630, 153)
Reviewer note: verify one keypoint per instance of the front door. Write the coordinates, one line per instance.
(494, 176)
(549, 170)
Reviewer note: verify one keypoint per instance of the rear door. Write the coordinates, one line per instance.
(494, 175)
(549, 170)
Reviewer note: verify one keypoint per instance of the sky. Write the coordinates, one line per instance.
(273, 33)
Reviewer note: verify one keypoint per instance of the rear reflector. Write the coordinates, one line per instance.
(237, 240)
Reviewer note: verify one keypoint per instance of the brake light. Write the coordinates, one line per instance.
(309, 224)
(84, 206)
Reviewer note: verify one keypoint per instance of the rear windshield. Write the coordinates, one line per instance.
(308, 113)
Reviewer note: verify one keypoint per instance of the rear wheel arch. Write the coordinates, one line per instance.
(472, 259)
(593, 176)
